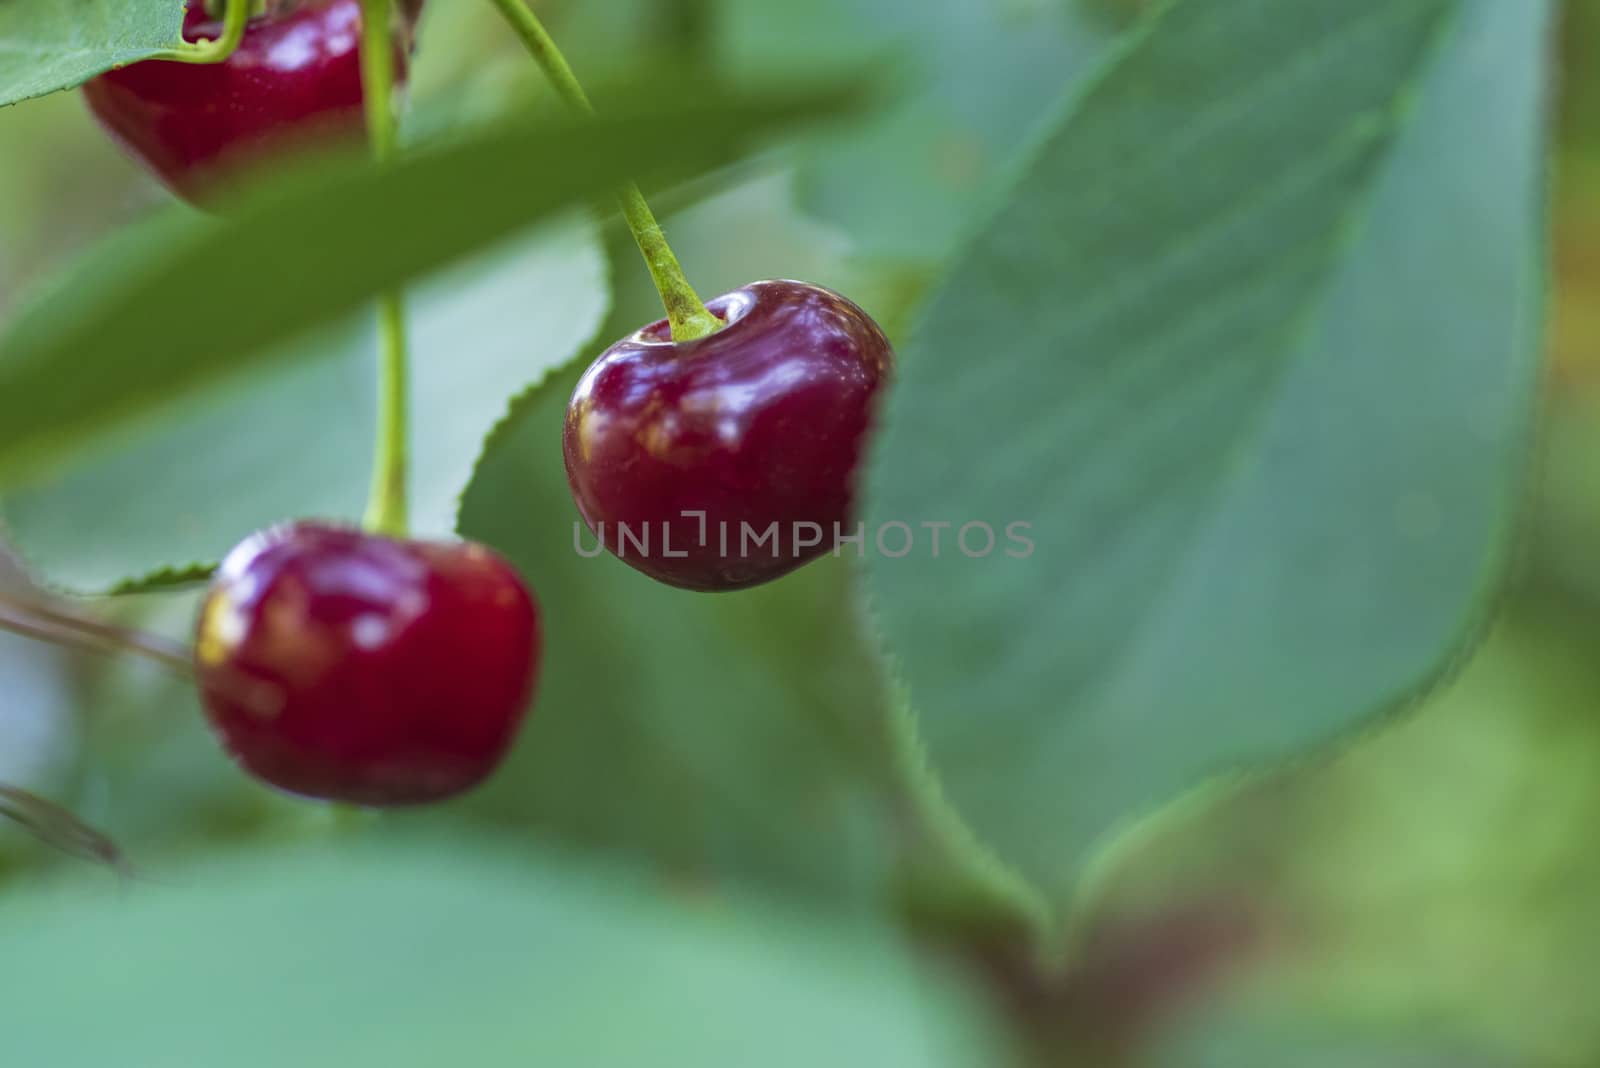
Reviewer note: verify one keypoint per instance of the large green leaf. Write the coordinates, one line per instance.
(972, 81)
(1253, 349)
(299, 443)
(46, 45)
(426, 954)
(181, 303)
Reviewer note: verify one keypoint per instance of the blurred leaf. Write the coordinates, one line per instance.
(1244, 1040)
(430, 954)
(1580, 68)
(183, 303)
(1253, 350)
(299, 443)
(972, 81)
(46, 45)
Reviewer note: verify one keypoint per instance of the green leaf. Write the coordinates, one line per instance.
(1252, 349)
(183, 303)
(972, 82)
(299, 443)
(1255, 1039)
(430, 953)
(48, 45)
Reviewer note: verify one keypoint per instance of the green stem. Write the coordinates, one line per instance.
(218, 51)
(75, 630)
(387, 508)
(685, 310)
(387, 511)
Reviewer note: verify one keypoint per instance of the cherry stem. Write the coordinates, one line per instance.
(73, 630)
(61, 627)
(387, 509)
(685, 310)
(218, 51)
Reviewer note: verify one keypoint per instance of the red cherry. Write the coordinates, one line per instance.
(352, 667)
(295, 79)
(761, 423)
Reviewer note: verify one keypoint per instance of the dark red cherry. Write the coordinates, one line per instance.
(351, 667)
(758, 429)
(294, 80)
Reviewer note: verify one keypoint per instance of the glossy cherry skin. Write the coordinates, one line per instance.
(342, 665)
(762, 422)
(294, 80)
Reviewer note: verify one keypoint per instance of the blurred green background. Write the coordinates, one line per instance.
(1437, 874)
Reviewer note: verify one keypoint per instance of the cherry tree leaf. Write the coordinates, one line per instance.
(123, 335)
(50, 45)
(422, 952)
(1250, 355)
(970, 83)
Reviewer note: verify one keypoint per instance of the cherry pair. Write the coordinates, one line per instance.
(348, 666)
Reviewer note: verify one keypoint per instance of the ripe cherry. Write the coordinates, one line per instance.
(352, 667)
(683, 456)
(294, 80)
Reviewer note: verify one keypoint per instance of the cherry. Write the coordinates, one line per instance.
(761, 423)
(295, 79)
(352, 667)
